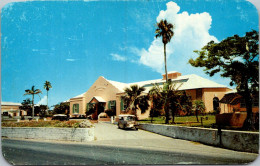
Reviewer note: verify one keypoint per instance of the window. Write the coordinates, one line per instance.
(123, 105)
(75, 108)
(112, 105)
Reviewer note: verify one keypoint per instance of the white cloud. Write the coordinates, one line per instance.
(71, 60)
(191, 33)
(117, 57)
(43, 101)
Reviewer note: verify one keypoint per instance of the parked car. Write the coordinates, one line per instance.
(127, 121)
(60, 117)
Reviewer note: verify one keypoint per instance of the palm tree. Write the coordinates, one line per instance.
(165, 30)
(135, 99)
(156, 99)
(166, 97)
(47, 86)
(199, 107)
(32, 92)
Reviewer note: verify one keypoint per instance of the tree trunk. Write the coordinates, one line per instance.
(249, 122)
(47, 104)
(196, 112)
(166, 115)
(173, 116)
(33, 106)
(165, 63)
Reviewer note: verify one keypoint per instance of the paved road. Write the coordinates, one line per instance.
(116, 146)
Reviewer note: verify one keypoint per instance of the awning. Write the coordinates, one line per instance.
(98, 98)
(231, 98)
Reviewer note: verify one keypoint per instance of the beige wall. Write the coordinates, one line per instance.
(9, 107)
(227, 108)
(101, 88)
(11, 110)
(81, 105)
(209, 93)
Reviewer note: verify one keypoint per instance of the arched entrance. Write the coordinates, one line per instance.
(97, 104)
(215, 103)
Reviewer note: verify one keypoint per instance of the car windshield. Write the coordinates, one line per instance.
(130, 118)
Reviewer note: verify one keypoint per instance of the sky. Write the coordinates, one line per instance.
(72, 43)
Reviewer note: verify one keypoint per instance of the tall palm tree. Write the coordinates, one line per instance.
(47, 86)
(164, 30)
(135, 99)
(32, 92)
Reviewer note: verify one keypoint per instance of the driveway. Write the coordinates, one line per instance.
(109, 134)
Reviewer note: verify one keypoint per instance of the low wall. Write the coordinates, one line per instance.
(235, 140)
(49, 133)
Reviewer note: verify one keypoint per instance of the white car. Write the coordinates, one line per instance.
(127, 121)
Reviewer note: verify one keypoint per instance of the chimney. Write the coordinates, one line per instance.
(172, 75)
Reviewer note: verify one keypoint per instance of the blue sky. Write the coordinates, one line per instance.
(72, 43)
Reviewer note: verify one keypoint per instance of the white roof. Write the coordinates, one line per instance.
(99, 99)
(81, 95)
(185, 82)
(119, 85)
(10, 103)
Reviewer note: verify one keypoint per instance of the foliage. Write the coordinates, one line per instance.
(26, 105)
(53, 123)
(47, 85)
(41, 110)
(134, 99)
(61, 108)
(169, 99)
(110, 112)
(199, 107)
(32, 92)
(90, 109)
(236, 58)
(186, 103)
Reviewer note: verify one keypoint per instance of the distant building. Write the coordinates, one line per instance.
(233, 102)
(12, 109)
(106, 94)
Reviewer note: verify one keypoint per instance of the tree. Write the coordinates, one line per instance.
(134, 99)
(41, 110)
(32, 92)
(164, 30)
(62, 108)
(238, 59)
(47, 86)
(167, 98)
(155, 97)
(27, 106)
(199, 107)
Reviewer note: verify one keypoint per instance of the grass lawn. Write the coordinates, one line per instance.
(53, 123)
(185, 121)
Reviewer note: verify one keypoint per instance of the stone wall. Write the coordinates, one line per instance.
(48, 133)
(235, 140)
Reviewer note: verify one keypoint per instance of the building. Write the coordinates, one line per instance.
(106, 94)
(233, 102)
(12, 109)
